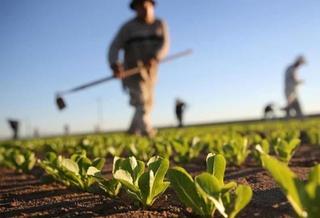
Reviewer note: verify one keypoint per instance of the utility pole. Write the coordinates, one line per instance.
(99, 126)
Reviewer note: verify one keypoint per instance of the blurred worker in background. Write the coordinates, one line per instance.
(269, 111)
(144, 39)
(292, 82)
(36, 133)
(180, 107)
(66, 129)
(14, 125)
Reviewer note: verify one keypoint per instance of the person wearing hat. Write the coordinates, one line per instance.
(144, 39)
(292, 82)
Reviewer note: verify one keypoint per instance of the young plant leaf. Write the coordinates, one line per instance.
(185, 188)
(242, 197)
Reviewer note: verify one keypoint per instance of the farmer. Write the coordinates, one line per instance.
(14, 125)
(179, 109)
(291, 84)
(144, 40)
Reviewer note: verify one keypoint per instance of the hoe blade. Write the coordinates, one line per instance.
(60, 103)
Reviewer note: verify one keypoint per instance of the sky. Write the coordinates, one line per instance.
(241, 50)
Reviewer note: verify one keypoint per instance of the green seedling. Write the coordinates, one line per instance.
(285, 149)
(304, 197)
(141, 148)
(236, 150)
(265, 146)
(143, 186)
(186, 149)
(76, 171)
(207, 192)
(22, 160)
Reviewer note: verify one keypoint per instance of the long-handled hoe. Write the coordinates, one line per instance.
(61, 103)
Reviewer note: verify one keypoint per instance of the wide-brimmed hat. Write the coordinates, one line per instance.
(135, 2)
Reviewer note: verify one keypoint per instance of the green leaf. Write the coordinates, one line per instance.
(229, 186)
(210, 163)
(288, 181)
(98, 163)
(145, 184)
(31, 161)
(131, 165)
(126, 180)
(217, 202)
(242, 197)
(314, 182)
(72, 178)
(51, 157)
(265, 146)
(138, 171)
(151, 183)
(313, 190)
(83, 163)
(123, 175)
(111, 187)
(92, 171)
(209, 188)
(19, 159)
(216, 165)
(185, 188)
(285, 150)
(133, 162)
(208, 183)
(116, 164)
(70, 165)
(159, 167)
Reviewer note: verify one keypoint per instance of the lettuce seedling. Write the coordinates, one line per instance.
(265, 146)
(236, 150)
(101, 147)
(22, 160)
(313, 135)
(304, 197)
(143, 186)
(207, 192)
(163, 147)
(140, 148)
(187, 149)
(285, 149)
(77, 171)
(110, 186)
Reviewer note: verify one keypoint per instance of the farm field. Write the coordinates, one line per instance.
(26, 189)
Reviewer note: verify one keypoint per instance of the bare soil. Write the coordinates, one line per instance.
(29, 195)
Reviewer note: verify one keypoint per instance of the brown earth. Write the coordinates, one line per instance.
(28, 195)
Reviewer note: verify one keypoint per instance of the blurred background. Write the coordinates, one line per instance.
(241, 51)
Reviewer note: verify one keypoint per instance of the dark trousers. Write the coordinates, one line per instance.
(295, 108)
(180, 119)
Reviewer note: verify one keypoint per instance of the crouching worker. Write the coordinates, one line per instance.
(144, 40)
(268, 111)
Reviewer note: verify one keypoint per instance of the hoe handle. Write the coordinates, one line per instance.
(127, 73)
(137, 70)
(87, 85)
